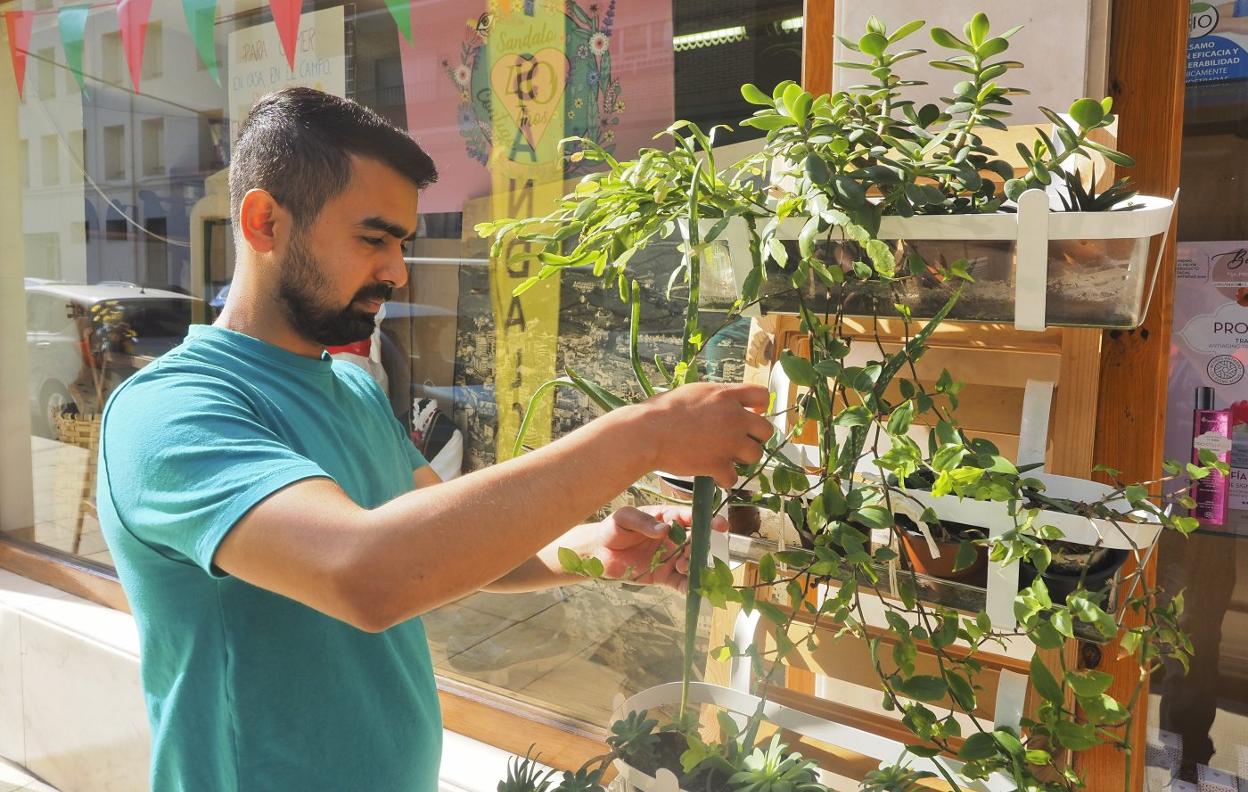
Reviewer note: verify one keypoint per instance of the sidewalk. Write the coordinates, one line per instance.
(14, 778)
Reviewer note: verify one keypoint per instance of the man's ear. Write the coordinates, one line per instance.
(258, 219)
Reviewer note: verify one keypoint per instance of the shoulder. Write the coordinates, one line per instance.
(359, 382)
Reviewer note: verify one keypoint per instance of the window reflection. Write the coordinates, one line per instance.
(126, 241)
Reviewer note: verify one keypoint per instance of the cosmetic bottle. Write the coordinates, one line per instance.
(1211, 430)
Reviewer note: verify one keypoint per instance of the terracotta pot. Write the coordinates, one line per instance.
(919, 559)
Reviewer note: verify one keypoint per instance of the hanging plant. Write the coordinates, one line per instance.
(843, 165)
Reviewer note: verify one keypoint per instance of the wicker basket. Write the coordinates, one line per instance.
(80, 430)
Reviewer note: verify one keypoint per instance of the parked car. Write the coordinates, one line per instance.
(85, 339)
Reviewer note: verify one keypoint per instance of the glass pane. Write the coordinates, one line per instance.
(1198, 722)
(125, 240)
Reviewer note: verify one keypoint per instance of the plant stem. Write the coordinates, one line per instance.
(699, 549)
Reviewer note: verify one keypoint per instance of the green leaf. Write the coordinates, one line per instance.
(1076, 736)
(799, 370)
(905, 30)
(875, 516)
(992, 47)
(753, 95)
(923, 688)
(966, 557)
(767, 568)
(1089, 684)
(817, 169)
(946, 39)
(1043, 680)
(873, 44)
(1087, 113)
(570, 561)
(881, 256)
(901, 418)
(978, 746)
(593, 567)
(977, 28)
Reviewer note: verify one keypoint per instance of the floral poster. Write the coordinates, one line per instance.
(618, 87)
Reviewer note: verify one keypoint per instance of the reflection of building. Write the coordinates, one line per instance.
(112, 175)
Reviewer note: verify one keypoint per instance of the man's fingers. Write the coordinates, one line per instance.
(760, 428)
(752, 396)
(638, 521)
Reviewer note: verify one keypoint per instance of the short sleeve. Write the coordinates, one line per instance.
(413, 453)
(185, 459)
(364, 380)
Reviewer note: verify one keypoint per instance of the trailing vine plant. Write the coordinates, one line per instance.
(842, 162)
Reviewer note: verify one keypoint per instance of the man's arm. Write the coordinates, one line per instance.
(376, 568)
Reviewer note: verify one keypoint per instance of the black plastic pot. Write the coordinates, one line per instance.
(1062, 584)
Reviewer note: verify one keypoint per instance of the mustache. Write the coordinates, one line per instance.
(375, 291)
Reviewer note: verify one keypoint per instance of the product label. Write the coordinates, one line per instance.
(1212, 441)
(1217, 34)
(1209, 348)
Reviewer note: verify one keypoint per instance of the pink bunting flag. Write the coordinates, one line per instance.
(19, 24)
(286, 17)
(133, 15)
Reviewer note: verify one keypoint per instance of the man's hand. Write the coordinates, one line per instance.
(630, 540)
(703, 428)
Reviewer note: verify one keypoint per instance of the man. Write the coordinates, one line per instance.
(277, 534)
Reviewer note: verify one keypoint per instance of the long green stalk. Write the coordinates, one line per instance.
(699, 550)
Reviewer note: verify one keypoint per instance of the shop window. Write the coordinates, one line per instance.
(114, 69)
(116, 229)
(50, 160)
(154, 52)
(155, 252)
(153, 146)
(23, 162)
(46, 71)
(43, 255)
(114, 152)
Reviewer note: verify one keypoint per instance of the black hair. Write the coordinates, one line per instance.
(297, 143)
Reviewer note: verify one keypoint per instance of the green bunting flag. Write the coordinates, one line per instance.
(201, 17)
(401, 10)
(72, 22)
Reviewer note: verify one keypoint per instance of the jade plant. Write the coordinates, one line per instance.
(841, 162)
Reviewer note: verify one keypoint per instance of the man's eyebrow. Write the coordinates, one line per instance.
(389, 227)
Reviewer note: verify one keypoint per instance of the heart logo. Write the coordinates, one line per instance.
(529, 89)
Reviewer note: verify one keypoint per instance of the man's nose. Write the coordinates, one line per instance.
(394, 269)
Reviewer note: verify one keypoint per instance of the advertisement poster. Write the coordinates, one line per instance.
(1209, 349)
(1217, 41)
(257, 65)
(617, 86)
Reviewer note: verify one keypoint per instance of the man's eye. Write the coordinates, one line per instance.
(374, 241)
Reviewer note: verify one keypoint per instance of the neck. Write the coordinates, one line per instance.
(253, 308)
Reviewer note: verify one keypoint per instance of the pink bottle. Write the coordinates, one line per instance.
(1211, 430)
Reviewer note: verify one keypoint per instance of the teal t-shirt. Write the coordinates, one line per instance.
(246, 689)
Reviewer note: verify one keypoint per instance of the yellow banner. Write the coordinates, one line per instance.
(528, 69)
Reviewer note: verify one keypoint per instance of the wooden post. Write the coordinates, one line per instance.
(817, 46)
(1148, 48)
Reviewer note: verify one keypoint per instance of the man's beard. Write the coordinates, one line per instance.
(301, 291)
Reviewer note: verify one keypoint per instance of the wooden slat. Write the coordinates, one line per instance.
(1073, 416)
(497, 724)
(996, 336)
(1148, 45)
(63, 571)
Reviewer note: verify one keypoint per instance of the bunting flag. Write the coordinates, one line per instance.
(72, 22)
(286, 17)
(401, 10)
(201, 16)
(133, 15)
(19, 24)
